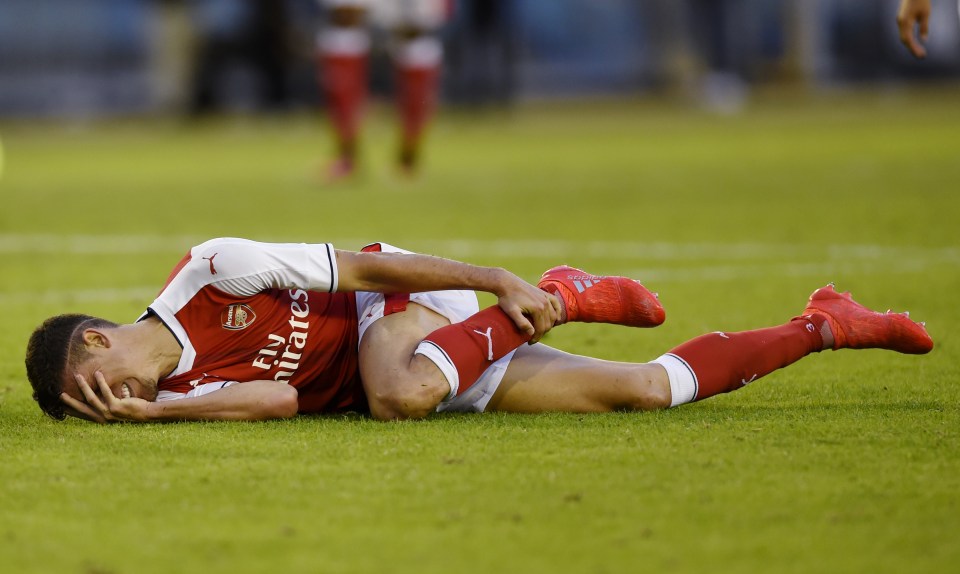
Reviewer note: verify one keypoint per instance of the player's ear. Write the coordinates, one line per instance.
(94, 338)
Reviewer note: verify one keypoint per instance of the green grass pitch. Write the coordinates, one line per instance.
(845, 462)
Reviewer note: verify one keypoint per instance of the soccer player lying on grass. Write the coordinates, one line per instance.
(247, 331)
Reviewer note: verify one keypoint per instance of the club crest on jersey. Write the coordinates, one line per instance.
(237, 316)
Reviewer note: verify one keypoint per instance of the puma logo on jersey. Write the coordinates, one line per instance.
(213, 270)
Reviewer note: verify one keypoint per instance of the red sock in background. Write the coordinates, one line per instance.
(722, 362)
(418, 65)
(342, 71)
(463, 351)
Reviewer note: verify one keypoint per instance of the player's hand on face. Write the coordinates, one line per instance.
(80, 410)
(533, 310)
(105, 407)
(914, 13)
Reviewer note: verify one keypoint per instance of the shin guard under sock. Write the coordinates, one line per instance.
(463, 351)
(722, 362)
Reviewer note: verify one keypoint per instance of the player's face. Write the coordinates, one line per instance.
(124, 382)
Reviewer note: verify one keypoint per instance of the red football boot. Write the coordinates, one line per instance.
(340, 169)
(856, 327)
(597, 299)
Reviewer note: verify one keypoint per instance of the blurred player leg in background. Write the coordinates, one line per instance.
(417, 56)
(343, 47)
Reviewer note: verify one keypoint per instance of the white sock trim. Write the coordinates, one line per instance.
(343, 42)
(440, 358)
(424, 52)
(683, 381)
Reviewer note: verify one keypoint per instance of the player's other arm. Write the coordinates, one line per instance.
(412, 273)
(250, 401)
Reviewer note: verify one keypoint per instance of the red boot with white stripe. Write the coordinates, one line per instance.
(854, 326)
(598, 299)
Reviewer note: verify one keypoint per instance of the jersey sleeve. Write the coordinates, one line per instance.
(244, 268)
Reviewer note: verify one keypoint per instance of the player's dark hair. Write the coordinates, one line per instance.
(55, 346)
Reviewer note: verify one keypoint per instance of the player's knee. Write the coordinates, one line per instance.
(412, 395)
(408, 402)
(648, 390)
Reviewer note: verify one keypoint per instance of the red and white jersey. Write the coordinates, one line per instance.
(245, 311)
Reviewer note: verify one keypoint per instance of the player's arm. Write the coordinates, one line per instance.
(249, 401)
(412, 273)
(913, 14)
(243, 267)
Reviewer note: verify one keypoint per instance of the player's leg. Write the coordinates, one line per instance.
(420, 355)
(418, 56)
(413, 360)
(444, 332)
(543, 379)
(418, 349)
(467, 348)
(398, 382)
(343, 46)
(721, 362)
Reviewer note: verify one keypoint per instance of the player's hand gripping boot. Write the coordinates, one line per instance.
(857, 327)
(597, 299)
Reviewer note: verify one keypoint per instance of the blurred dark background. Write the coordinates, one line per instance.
(64, 58)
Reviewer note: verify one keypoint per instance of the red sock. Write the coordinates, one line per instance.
(463, 351)
(416, 98)
(722, 362)
(343, 79)
(418, 64)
